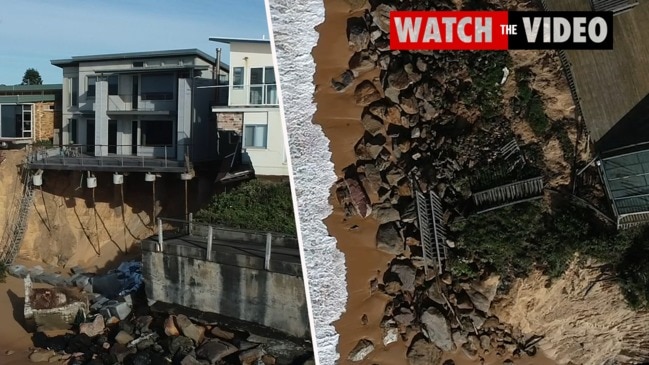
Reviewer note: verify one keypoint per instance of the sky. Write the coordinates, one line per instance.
(33, 32)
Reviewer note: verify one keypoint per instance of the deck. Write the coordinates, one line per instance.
(611, 83)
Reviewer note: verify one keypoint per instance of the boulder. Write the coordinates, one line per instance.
(190, 360)
(372, 124)
(388, 239)
(41, 356)
(215, 350)
(366, 93)
(398, 79)
(251, 356)
(381, 17)
(222, 334)
(480, 301)
(437, 329)
(123, 338)
(422, 352)
(384, 213)
(409, 103)
(406, 275)
(390, 335)
(94, 328)
(358, 34)
(170, 327)
(181, 345)
(341, 82)
(189, 329)
(358, 197)
(389, 114)
(362, 349)
(362, 62)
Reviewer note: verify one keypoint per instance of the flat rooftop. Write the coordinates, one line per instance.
(611, 83)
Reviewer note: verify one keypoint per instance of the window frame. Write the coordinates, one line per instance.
(255, 127)
(88, 87)
(142, 138)
(238, 78)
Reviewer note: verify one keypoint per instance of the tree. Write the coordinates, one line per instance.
(32, 77)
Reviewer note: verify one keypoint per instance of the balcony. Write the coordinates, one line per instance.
(117, 158)
(161, 103)
(247, 95)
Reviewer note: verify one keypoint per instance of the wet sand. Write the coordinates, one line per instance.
(339, 117)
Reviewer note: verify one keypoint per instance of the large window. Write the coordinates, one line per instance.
(255, 136)
(237, 78)
(157, 87)
(113, 84)
(74, 91)
(72, 124)
(263, 89)
(157, 133)
(92, 84)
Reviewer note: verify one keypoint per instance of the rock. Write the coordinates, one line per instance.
(381, 17)
(390, 335)
(459, 338)
(188, 329)
(362, 349)
(469, 349)
(142, 324)
(367, 151)
(56, 358)
(422, 352)
(41, 356)
(385, 214)
(170, 327)
(447, 278)
(409, 212)
(268, 360)
(485, 342)
(491, 323)
(390, 114)
(392, 94)
(358, 197)
(366, 93)
(94, 328)
(408, 103)
(123, 338)
(341, 82)
(222, 334)
(372, 124)
(392, 288)
(406, 275)
(251, 356)
(180, 346)
(477, 320)
(373, 175)
(436, 328)
(398, 79)
(405, 319)
(481, 302)
(18, 271)
(190, 360)
(449, 362)
(9, 352)
(388, 239)
(357, 34)
(214, 350)
(362, 62)
(394, 176)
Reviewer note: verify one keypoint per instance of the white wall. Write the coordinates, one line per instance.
(269, 161)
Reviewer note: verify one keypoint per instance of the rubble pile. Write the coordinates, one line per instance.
(176, 339)
(432, 119)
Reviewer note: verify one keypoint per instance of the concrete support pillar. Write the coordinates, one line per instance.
(101, 118)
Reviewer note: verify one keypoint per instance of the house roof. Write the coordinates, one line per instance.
(239, 40)
(610, 83)
(17, 89)
(75, 60)
(626, 177)
(17, 99)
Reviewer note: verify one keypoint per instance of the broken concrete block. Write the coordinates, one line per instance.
(36, 270)
(117, 309)
(18, 271)
(78, 270)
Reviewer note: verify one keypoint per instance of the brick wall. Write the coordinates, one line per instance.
(230, 122)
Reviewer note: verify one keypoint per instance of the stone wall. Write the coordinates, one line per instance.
(46, 119)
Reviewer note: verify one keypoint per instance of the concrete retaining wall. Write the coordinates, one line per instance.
(180, 275)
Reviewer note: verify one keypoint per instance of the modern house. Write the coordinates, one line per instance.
(611, 91)
(29, 113)
(250, 111)
(136, 111)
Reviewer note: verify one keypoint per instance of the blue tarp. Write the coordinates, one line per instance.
(126, 279)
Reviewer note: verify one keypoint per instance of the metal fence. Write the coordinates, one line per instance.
(169, 228)
(509, 194)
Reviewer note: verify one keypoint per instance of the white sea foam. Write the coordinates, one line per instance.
(294, 36)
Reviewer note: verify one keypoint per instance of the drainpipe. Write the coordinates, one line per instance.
(216, 97)
(191, 125)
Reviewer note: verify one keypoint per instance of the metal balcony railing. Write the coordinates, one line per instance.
(108, 155)
(158, 101)
(246, 95)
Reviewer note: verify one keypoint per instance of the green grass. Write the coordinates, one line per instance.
(254, 205)
(531, 103)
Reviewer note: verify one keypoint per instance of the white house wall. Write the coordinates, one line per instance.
(270, 161)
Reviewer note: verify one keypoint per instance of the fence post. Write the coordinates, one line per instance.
(190, 225)
(209, 243)
(269, 238)
(160, 238)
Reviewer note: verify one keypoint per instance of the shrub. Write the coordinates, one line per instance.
(531, 103)
(255, 205)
